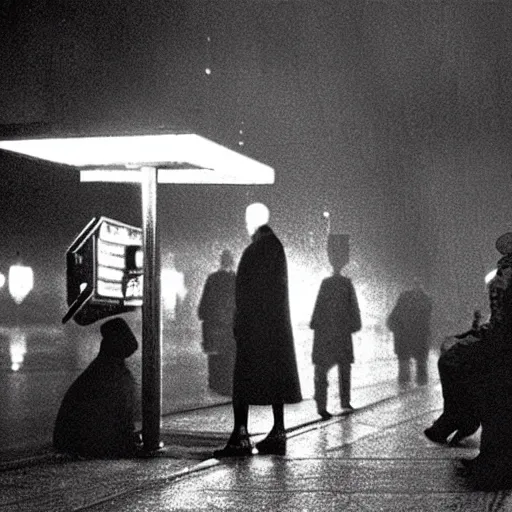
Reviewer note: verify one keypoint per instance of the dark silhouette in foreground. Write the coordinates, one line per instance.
(96, 416)
(265, 368)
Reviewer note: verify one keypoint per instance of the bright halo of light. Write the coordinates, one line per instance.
(200, 160)
(21, 282)
(172, 289)
(490, 276)
(17, 349)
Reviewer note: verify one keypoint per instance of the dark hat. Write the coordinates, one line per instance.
(118, 339)
(338, 249)
(504, 243)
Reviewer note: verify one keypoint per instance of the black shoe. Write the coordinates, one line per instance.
(459, 436)
(436, 435)
(347, 409)
(325, 415)
(273, 444)
(241, 449)
(467, 463)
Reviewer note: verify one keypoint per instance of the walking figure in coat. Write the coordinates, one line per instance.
(265, 367)
(409, 322)
(335, 317)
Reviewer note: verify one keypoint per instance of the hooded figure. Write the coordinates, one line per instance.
(96, 417)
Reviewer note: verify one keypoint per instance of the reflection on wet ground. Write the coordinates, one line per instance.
(38, 363)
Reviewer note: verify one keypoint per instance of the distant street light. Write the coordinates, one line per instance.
(327, 217)
(21, 282)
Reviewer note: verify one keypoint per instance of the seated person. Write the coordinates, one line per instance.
(459, 417)
(477, 375)
(96, 417)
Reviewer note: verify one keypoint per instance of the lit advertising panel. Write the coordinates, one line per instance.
(104, 271)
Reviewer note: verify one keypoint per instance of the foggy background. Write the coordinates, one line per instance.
(394, 116)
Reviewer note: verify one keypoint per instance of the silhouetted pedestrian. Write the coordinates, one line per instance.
(409, 321)
(96, 416)
(216, 310)
(335, 318)
(265, 368)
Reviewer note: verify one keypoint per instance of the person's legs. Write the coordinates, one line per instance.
(275, 442)
(239, 443)
(241, 417)
(344, 378)
(459, 408)
(278, 412)
(321, 390)
(404, 370)
(422, 370)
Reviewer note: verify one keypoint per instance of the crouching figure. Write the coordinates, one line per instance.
(96, 416)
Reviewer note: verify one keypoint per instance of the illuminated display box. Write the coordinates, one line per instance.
(104, 270)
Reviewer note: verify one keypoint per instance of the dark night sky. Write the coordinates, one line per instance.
(393, 115)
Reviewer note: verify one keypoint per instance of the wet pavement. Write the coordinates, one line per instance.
(374, 459)
(38, 363)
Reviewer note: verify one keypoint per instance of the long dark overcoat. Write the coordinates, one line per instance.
(409, 321)
(266, 368)
(335, 317)
(96, 416)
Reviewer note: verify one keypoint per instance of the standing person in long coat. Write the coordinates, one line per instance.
(96, 416)
(216, 310)
(336, 316)
(409, 321)
(265, 368)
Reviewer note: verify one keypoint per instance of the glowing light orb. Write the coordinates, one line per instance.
(21, 282)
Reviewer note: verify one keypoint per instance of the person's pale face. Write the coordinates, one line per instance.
(254, 220)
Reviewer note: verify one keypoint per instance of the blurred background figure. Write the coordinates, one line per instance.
(336, 316)
(409, 321)
(216, 310)
(97, 414)
(174, 293)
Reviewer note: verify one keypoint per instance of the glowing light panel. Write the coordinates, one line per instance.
(199, 160)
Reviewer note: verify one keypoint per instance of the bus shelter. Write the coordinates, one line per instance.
(149, 159)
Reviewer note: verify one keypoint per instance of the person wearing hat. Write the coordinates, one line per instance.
(96, 416)
(336, 316)
(216, 310)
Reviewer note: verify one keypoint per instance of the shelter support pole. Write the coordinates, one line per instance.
(151, 315)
